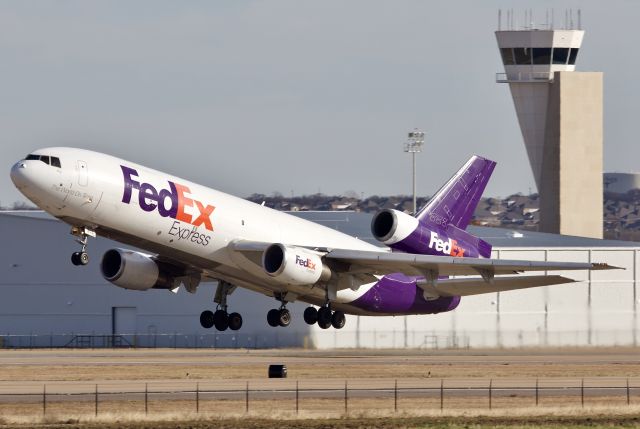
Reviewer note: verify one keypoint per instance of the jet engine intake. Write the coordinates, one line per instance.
(294, 265)
(390, 226)
(133, 270)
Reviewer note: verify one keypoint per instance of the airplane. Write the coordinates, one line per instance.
(191, 234)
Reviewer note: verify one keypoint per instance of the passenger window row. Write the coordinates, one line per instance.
(53, 161)
(538, 56)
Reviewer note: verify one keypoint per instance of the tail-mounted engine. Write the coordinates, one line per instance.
(133, 270)
(405, 233)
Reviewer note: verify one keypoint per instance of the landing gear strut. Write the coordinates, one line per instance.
(221, 319)
(83, 233)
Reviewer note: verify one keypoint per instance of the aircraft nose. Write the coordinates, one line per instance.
(19, 174)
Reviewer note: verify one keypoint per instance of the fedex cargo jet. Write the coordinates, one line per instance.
(194, 234)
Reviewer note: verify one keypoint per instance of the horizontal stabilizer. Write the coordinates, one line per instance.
(476, 286)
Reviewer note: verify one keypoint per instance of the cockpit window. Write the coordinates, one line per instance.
(53, 161)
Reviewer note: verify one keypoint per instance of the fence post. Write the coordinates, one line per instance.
(146, 398)
(246, 399)
(197, 398)
(44, 399)
(96, 411)
(395, 397)
(346, 398)
(441, 394)
(628, 396)
(537, 392)
(582, 393)
(490, 391)
(297, 398)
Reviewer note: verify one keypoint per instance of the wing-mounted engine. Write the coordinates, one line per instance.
(405, 233)
(136, 271)
(287, 265)
(294, 265)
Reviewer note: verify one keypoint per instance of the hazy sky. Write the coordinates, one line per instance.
(291, 96)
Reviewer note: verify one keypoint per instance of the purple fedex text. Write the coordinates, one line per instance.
(178, 196)
(307, 263)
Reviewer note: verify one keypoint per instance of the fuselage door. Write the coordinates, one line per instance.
(83, 174)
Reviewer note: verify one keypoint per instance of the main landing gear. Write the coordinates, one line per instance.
(324, 317)
(81, 257)
(221, 319)
(279, 316)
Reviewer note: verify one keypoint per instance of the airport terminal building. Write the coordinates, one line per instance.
(46, 301)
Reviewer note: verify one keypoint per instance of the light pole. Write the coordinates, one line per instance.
(414, 143)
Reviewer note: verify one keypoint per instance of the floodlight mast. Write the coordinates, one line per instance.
(414, 143)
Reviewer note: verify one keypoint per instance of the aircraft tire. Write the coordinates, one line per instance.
(310, 315)
(221, 320)
(235, 321)
(324, 317)
(83, 258)
(338, 320)
(75, 258)
(206, 319)
(272, 317)
(284, 317)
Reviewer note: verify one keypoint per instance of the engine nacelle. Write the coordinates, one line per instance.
(294, 265)
(391, 226)
(133, 270)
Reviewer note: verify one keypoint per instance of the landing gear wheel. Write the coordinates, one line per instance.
(338, 320)
(84, 258)
(221, 320)
(273, 317)
(284, 317)
(310, 315)
(75, 258)
(206, 319)
(235, 321)
(324, 317)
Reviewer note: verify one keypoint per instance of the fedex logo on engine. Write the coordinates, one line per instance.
(307, 263)
(449, 247)
(174, 202)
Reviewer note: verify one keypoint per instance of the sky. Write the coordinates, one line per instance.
(294, 96)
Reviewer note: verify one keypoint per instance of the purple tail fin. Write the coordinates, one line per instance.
(456, 201)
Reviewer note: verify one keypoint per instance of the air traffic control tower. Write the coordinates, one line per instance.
(560, 116)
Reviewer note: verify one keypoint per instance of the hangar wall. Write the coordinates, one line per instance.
(601, 309)
(46, 301)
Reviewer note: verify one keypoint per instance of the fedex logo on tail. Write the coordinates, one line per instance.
(307, 263)
(449, 247)
(175, 202)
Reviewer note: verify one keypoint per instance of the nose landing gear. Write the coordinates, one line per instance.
(81, 257)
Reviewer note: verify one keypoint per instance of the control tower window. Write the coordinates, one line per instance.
(507, 56)
(560, 55)
(541, 55)
(572, 56)
(522, 56)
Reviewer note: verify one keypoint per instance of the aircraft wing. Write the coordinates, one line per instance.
(380, 263)
(477, 286)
